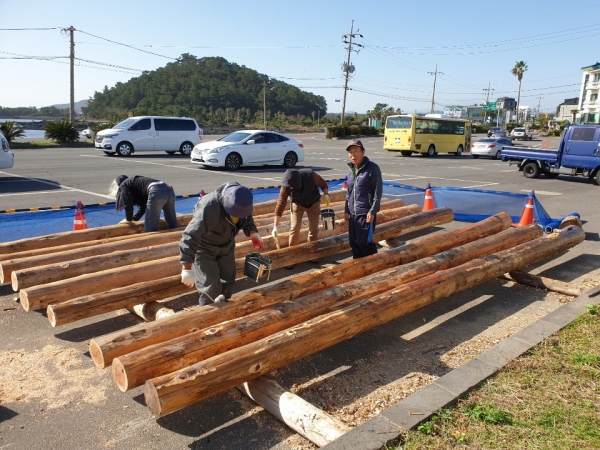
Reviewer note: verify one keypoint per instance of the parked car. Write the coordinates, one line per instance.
(7, 158)
(155, 133)
(521, 133)
(88, 133)
(500, 134)
(490, 147)
(249, 148)
(493, 130)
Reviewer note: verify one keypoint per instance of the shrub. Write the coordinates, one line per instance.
(341, 131)
(102, 126)
(61, 131)
(11, 130)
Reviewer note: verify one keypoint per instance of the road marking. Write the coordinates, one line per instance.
(542, 192)
(66, 188)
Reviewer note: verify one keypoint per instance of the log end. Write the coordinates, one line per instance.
(3, 275)
(96, 354)
(152, 398)
(24, 299)
(119, 375)
(15, 282)
(51, 315)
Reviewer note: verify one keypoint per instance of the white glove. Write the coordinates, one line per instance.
(274, 232)
(187, 278)
(257, 241)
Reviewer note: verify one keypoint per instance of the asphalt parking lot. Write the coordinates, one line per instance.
(81, 406)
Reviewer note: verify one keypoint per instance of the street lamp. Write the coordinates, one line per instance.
(318, 114)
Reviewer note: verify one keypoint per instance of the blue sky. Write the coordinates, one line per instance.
(472, 43)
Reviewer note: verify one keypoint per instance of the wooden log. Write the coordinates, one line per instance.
(151, 311)
(174, 391)
(305, 419)
(544, 283)
(570, 220)
(104, 247)
(115, 299)
(104, 349)
(40, 275)
(135, 368)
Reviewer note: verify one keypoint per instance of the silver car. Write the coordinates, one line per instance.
(490, 147)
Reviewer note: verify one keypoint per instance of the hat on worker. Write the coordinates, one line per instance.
(355, 143)
(120, 179)
(237, 201)
(292, 179)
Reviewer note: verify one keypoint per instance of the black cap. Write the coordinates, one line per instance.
(120, 179)
(355, 143)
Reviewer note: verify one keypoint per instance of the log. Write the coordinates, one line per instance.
(40, 296)
(151, 311)
(104, 349)
(544, 283)
(568, 221)
(40, 275)
(305, 419)
(105, 247)
(169, 393)
(133, 369)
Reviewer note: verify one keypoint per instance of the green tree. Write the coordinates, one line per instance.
(11, 130)
(518, 70)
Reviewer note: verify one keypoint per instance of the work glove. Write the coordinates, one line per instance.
(274, 232)
(327, 201)
(257, 241)
(187, 277)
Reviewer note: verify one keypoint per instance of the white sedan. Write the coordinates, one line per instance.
(249, 148)
(7, 158)
(491, 147)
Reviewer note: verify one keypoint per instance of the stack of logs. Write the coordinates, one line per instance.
(202, 351)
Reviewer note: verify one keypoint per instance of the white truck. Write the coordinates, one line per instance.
(523, 133)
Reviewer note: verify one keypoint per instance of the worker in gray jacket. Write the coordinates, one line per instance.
(207, 246)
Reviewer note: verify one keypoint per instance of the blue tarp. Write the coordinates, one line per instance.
(469, 205)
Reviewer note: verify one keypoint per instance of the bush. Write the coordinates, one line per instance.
(102, 126)
(341, 131)
(554, 133)
(61, 131)
(11, 130)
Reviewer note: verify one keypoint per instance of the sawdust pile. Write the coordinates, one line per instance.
(53, 376)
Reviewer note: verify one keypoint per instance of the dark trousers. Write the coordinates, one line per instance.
(361, 236)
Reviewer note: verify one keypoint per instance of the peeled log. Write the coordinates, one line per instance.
(135, 368)
(174, 391)
(104, 349)
(305, 419)
(544, 283)
(7, 267)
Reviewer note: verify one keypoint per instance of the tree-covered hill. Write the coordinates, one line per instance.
(212, 90)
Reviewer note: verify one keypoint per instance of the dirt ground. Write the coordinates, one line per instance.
(47, 373)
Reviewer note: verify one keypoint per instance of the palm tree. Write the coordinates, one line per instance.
(518, 71)
(11, 130)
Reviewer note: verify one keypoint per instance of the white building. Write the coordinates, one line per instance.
(455, 111)
(589, 105)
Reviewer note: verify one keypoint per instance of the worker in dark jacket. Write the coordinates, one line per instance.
(206, 248)
(149, 195)
(302, 188)
(365, 188)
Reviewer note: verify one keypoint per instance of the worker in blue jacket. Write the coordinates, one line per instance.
(365, 188)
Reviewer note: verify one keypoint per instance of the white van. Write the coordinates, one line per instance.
(167, 134)
(7, 158)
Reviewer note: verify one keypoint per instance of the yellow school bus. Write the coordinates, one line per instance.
(429, 134)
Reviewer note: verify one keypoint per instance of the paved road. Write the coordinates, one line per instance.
(71, 404)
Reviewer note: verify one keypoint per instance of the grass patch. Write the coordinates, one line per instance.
(547, 399)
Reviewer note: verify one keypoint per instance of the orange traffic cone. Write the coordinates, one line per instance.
(428, 202)
(79, 223)
(527, 214)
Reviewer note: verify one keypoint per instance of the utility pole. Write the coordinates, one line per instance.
(72, 58)
(434, 80)
(487, 98)
(265, 103)
(347, 68)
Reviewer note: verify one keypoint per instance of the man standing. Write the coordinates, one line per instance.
(149, 195)
(365, 187)
(207, 245)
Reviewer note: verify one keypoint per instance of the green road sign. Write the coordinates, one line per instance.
(490, 106)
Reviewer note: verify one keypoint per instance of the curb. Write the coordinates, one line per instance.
(385, 428)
